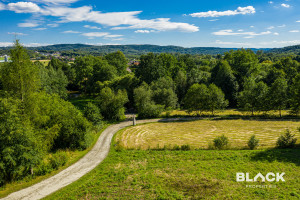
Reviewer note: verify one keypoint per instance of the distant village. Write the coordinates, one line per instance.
(49, 56)
(4, 58)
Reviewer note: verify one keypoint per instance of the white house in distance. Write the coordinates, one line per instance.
(5, 58)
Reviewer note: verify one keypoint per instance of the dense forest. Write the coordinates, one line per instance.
(37, 118)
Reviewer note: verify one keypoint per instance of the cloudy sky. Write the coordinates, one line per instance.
(189, 23)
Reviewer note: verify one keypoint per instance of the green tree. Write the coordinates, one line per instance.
(20, 77)
(19, 149)
(216, 99)
(181, 85)
(112, 103)
(254, 97)
(163, 91)
(278, 95)
(144, 104)
(223, 77)
(295, 95)
(196, 98)
(53, 81)
(118, 61)
(92, 113)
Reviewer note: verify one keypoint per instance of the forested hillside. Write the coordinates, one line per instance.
(83, 49)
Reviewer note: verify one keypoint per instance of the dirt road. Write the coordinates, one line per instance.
(78, 169)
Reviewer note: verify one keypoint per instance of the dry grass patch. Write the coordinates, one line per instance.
(199, 133)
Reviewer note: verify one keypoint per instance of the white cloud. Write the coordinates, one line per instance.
(298, 21)
(251, 26)
(294, 31)
(144, 31)
(238, 11)
(281, 26)
(285, 5)
(70, 31)
(2, 6)
(92, 35)
(6, 44)
(14, 33)
(279, 43)
(24, 7)
(28, 24)
(91, 27)
(35, 44)
(213, 20)
(56, 1)
(240, 30)
(85, 13)
(52, 25)
(271, 27)
(160, 24)
(270, 2)
(40, 29)
(233, 44)
(231, 33)
(275, 33)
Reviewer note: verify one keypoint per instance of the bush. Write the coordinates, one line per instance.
(185, 147)
(253, 142)
(58, 159)
(286, 140)
(221, 142)
(92, 113)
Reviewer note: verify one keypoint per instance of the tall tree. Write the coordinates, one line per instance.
(295, 95)
(164, 92)
(216, 99)
(254, 96)
(278, 95)
(119, 61)
(112, 103)
(196, 98)
(144, 104)
(20, 77)
(223, 77)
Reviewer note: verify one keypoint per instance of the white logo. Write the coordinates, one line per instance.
(270, 177)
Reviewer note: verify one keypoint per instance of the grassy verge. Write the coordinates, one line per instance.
(229, 113)
(74, 156)
(200, 133)
(196, 174)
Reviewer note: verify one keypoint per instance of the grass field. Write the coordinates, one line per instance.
(196, 174)
(198, 134)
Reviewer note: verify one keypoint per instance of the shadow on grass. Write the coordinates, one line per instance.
(280, 155)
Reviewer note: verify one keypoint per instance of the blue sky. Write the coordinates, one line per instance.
(189, 23)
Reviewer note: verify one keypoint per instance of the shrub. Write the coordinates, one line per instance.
(221, 142)
(58, 159)
(253, 142)
(92, 113)
(286, 140)
(185, 147)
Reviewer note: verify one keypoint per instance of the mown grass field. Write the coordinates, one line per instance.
(199, 133)
(196, 174)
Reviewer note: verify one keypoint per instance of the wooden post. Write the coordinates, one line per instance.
(133, 120)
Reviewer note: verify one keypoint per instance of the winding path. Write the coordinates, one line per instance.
(69, 175)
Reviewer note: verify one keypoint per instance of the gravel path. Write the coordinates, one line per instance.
(95, 156)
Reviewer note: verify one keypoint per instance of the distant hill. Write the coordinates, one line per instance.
(132, 49)
(83, 49)
(290, 49)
